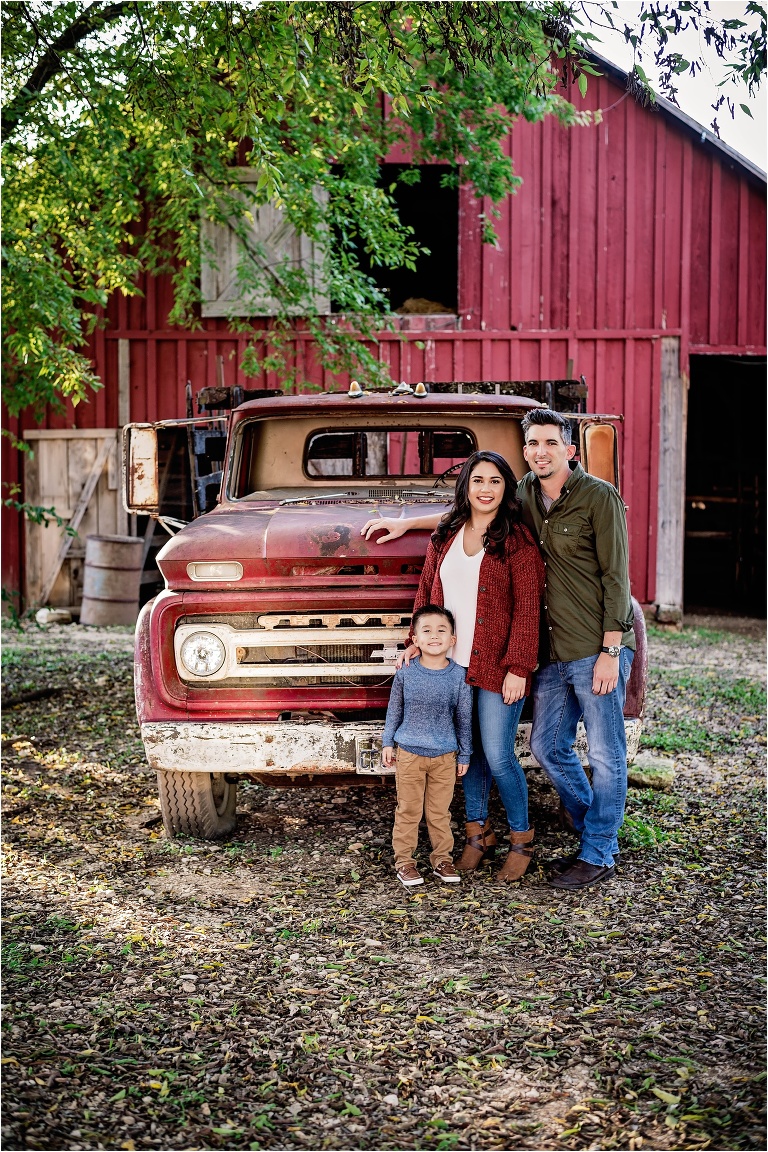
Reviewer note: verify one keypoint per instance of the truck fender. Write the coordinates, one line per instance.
(638, 677)
(143, 682)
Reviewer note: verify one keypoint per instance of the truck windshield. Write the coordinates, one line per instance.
(285, 454)
(391, 452)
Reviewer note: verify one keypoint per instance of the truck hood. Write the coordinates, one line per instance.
(294, 542)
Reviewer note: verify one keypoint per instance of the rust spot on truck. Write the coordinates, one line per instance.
(320, 766)
(330, 540)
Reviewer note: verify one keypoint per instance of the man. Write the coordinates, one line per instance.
(588, 645)
(580, 525)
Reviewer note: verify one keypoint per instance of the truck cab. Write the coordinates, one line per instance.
(270, 651)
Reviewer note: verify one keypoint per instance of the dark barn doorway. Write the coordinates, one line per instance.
(725, 510)
(427, 199)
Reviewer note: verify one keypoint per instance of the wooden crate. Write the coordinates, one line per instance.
(66, 466)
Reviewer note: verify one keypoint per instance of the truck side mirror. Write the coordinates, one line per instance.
(140, 469)
(599, 450)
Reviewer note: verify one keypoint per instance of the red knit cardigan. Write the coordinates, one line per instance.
(509, 594)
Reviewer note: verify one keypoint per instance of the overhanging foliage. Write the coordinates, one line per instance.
(123, 124)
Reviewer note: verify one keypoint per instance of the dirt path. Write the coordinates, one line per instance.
(280, 991)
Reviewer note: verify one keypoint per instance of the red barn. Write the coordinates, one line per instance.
(633, 254)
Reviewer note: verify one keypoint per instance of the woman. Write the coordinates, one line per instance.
(483, 565)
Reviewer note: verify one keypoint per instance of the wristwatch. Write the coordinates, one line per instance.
(613, 650)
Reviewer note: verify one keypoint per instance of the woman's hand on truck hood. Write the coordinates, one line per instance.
(394, 528)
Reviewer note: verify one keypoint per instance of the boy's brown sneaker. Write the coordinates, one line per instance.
(408, 875)
(446, 872)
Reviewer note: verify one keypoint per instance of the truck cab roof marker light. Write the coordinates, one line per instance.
(206, 570)
(355, 391)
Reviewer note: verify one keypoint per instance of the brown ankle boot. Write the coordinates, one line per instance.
(480, 846)
(519, 856)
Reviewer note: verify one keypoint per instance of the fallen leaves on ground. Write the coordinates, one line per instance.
(281, 990)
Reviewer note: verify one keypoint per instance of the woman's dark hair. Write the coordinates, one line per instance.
(507, 514)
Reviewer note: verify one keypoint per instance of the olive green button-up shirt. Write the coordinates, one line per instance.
(583, 540)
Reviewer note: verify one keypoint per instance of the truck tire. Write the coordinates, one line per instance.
(200, 804)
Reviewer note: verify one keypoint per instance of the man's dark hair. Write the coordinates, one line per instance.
(433, 610)
(547, 416)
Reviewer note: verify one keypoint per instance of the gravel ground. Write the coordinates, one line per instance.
(282, 991)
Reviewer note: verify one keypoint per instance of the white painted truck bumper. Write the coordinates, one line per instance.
(300, 749)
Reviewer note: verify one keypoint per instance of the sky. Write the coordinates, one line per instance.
(696, 95)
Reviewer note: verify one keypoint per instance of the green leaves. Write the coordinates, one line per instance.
(665, 1097)
(139, 117)
(110, 162)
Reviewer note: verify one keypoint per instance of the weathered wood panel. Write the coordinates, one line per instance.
(54, 477)
(671, 498)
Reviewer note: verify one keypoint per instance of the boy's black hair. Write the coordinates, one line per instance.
(433, 610)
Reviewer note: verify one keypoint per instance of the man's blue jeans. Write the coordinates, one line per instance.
(562, 694)
(493, 758)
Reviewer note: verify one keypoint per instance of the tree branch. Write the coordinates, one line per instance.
(50, 64)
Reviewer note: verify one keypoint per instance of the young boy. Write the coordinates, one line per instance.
(430, 718)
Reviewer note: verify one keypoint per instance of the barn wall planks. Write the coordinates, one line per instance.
(625, 232)
(54, 476)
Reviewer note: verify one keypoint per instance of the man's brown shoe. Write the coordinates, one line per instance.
(582, 875)
(562, 863)
(446, 872)
(408, 875)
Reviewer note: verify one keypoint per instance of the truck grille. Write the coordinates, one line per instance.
(300, 650)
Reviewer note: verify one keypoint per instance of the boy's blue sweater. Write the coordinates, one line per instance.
(430, 711)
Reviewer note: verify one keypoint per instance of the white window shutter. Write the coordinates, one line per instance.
(272, 241)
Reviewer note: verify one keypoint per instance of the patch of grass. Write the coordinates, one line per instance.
(681, 735)
(691, 637)
(15, 956)
(60, 924)
(742, 694)
(704, 714)
(641, 832)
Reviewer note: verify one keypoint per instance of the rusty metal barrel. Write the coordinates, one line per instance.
(111, 579)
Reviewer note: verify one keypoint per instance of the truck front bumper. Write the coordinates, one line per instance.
(300, 749)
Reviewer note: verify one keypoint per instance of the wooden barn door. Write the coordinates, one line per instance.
(76, 472)
(272, 242)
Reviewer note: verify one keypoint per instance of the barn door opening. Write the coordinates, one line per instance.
(725, 531)
(428, 203)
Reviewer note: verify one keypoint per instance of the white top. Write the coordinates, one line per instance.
(460, 576)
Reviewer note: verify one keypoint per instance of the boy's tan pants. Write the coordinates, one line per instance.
(424, 784)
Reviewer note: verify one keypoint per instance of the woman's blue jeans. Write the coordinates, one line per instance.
(494, 727)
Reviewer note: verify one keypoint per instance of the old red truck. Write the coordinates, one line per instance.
(270, 651)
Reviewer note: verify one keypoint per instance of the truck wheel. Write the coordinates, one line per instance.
(200, 804)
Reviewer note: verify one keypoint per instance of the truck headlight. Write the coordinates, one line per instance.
(202, 654)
